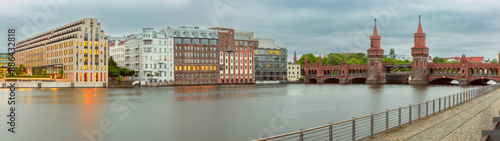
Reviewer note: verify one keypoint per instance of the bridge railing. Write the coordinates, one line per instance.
(483, 75)
(448, 74)
(358, 74)
(367, 126)
(331, 74)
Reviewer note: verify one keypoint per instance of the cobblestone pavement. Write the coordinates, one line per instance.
(463, 122)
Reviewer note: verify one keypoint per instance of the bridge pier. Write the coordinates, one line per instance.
(343, 81)
(463, 82)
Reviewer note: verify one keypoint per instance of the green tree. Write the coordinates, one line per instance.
(38, 71)
(439, 60)
(310, 59)
(120, 79)
(494, 61)
(45, 72)
(112, 62)
(354, 61)
(61, 73)
(392, 52)
(20, 70)
(113, 72)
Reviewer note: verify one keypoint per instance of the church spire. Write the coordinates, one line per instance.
(419, 30)
(375, 32)
(294, 56)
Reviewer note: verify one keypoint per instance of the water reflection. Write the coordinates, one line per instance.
(192, 113)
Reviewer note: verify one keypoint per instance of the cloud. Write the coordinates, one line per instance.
(452, 27)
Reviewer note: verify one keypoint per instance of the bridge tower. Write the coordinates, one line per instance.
(375, 54)
(464, 71)
(420, 52)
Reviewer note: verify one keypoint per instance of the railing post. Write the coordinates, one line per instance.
(433, 106)
(353, 129)
(301, 135)
(427, 109)
(439, 107)
(419, 111)
(387, 120)
(449, 101)
(371, 126)
(444, 104)
(330, 129)
(399, 113)
(409, 119)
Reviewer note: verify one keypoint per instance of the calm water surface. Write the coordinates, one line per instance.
(199, 113)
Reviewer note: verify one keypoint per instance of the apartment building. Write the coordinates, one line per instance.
(196, 55)
(117, 50)
(235, 56)
(151, 55)
(78, 48)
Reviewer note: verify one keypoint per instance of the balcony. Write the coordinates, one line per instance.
(229, 50)
(162, 62)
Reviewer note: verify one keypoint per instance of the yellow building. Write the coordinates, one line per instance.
(78, 48)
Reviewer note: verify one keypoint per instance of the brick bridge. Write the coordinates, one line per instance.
(376, 72)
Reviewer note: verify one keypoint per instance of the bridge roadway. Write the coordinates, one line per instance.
(463, 122)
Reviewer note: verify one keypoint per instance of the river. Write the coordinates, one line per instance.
(197, 113)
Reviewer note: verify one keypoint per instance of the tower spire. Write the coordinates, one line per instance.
(375, 32)
(294, 56)
(419, 30)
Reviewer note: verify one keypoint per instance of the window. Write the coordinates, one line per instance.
(187, 41)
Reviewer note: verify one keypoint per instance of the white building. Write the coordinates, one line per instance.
(293, 71)
(150, 54)
(117, 50)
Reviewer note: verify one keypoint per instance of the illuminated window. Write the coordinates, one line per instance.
(175, 68)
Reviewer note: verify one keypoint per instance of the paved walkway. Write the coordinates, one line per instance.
(463, 122)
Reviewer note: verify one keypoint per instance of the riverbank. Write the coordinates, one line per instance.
(463, 122)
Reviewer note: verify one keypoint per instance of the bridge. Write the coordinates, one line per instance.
(422, 71)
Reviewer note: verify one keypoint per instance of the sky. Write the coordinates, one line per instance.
(453, 27)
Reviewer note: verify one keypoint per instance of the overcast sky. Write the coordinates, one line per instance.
(453, 27)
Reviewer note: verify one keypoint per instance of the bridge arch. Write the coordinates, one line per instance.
(480, 81)
(358, 80)
(312, 80)
(331, 80)
(441, 80)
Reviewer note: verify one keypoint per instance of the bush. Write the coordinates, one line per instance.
(120, 79)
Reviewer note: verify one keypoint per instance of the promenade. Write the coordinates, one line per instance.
(463, 122)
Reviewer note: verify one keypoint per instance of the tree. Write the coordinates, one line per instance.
(120, 79)
(310, 59)
(113, 72)
(392, 52)
(20, 70)
(45, 72)
(354, 61)
(38, 71)
(494, 61)
(439, 60)
(61, 73)
(112, 62)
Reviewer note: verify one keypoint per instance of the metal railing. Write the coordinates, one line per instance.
(367, 126)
